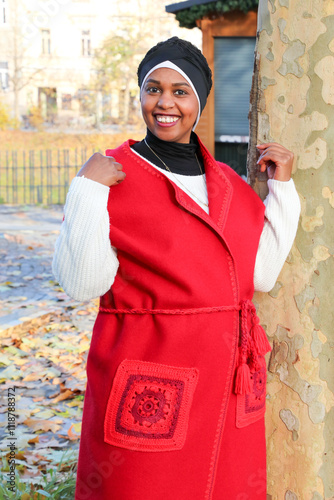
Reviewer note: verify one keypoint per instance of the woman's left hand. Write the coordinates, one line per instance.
(277, 160)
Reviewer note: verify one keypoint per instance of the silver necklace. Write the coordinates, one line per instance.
(169, 170)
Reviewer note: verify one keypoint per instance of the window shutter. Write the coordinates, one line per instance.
(233, 63)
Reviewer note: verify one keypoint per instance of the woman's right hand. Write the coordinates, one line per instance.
(102, 169)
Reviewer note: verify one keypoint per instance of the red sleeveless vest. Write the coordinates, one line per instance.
(176, 376)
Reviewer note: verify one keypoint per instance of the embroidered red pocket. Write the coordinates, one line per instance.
(251, 407)
(148, 407)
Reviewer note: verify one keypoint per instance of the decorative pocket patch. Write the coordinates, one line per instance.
(251, 407)
(148, 407)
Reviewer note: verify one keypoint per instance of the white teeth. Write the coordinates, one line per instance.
(166, 119)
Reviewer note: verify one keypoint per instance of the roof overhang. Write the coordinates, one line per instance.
(176, 7)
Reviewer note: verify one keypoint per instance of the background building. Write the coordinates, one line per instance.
(73, 62)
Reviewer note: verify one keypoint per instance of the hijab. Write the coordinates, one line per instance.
(186, 59)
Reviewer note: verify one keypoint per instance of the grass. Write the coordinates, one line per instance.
(54, 484)
(24, 141)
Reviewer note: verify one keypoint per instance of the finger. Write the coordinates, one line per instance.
(271, 170)
(120, 176)
(274, 156)
(266, 145)
(263, 160)
(265, 153)
(276, 148)
(112, 160)
(265, 163)
(269, 144)
(114, 163)
(263, 167)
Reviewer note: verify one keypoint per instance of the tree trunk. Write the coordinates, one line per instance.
(293, 104)
(17, 69)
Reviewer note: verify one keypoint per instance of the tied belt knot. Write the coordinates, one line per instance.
(253, 343)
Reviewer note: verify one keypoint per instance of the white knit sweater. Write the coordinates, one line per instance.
(85, 263)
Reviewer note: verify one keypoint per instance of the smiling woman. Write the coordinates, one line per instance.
(169, 105)
(174, 245)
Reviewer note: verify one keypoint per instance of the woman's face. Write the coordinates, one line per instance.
(169, 105)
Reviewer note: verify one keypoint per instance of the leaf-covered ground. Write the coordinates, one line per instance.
(45, 338)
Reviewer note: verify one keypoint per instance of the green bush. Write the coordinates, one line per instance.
(35, 117)
(5, 120)
(187, 17)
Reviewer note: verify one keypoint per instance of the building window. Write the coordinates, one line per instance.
(87, 101)
(47, 102)
(66, 101)
(4, 12)
(85, 43)
(46, 42)
(4, 76)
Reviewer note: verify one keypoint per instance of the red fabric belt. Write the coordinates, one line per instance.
(253, 341)
(195, 310)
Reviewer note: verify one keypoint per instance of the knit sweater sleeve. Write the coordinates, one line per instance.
(84, 263)
(280, 227)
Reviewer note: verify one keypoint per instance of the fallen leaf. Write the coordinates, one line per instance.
(42, 425)
(71, 435)
(32, 376)
(4, 360)
(64, 414)
(44, 414)
(34, 440)
(74, 403)
(68, 394)
(77, 427)
(25, 347)
(52, 443)
(21, 362)
(6, 342)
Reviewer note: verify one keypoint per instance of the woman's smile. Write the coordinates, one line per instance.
(169, 105)
(166, 120)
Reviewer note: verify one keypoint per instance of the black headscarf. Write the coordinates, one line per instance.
(190, 62)
(185, 58)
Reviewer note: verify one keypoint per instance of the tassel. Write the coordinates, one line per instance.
(253, 360)
(243, 383)
(260, 338)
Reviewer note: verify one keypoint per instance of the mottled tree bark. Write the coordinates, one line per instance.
(292, 102)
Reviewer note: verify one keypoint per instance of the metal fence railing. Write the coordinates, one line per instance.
(39, 177)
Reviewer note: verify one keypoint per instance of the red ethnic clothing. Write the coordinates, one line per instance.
(175, 399)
